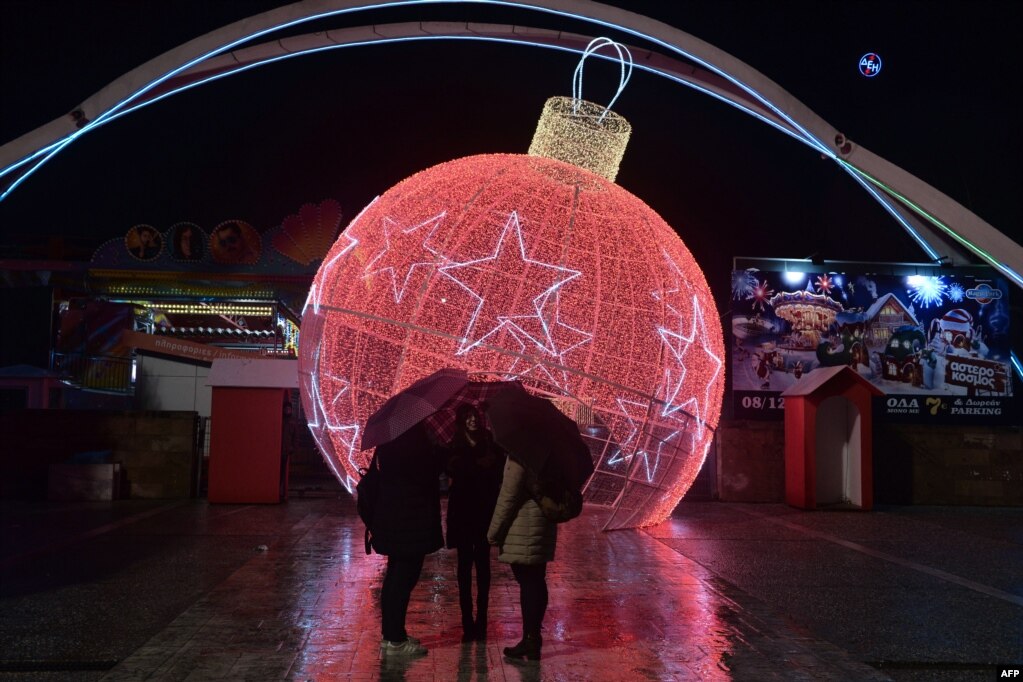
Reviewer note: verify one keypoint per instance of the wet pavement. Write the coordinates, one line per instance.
(185, 590)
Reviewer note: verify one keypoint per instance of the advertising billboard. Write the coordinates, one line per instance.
(935, 341)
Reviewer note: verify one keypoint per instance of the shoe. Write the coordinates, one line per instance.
(468, 630)
(528, 648)
(406, 648)
(414, 640)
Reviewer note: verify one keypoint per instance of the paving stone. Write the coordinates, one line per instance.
(718, 592)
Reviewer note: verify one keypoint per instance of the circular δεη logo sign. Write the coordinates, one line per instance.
(870, 64)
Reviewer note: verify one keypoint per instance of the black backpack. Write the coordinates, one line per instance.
(367, 492)
(557, 501)
(557, 488)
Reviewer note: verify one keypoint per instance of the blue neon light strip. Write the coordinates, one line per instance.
(807, 138)
(889, 206)
(984, 255)
(1016, 364)
(385, 41)
(122, 108)
(881, 198)
(58, 146)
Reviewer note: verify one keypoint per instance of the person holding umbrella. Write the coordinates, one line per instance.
(406, 527)
(527, 541)
(474, 465)
(541, 443)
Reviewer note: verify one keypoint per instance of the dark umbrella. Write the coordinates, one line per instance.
(442, 424)
(408, 407)
(532, 429)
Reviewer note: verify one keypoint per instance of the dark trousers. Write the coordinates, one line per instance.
(532, 580)
(473, 554)
(402, 575)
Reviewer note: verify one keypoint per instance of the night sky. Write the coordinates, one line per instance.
(349, 124)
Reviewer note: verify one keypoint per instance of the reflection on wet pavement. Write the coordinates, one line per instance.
(623, 606)
(183, 591)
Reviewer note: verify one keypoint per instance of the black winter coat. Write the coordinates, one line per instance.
(406, 521)
(475, 473)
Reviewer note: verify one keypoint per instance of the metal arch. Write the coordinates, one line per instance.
(759, 94)
(709, 83)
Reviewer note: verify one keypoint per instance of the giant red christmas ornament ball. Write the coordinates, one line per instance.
(514, 266)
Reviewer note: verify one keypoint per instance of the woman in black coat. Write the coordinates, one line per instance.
(406, 527)
(475, 464)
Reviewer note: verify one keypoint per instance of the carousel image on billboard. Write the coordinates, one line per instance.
(935, 345)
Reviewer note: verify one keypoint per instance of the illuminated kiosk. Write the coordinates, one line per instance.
(828, 446)
(145, 329)
(245, 445)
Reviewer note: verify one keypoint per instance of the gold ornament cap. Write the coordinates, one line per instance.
(583, 133)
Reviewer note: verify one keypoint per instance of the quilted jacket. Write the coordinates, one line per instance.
(518, 527)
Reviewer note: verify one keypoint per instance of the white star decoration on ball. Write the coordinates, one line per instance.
(315, 295)
(398, 244)
(325, 428)
(508, 267)
(679, 343)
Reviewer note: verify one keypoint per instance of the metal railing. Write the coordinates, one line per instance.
(106, 373)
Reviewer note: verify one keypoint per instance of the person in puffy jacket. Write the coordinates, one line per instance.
(475, 463)
(406, 527)
(527, 541)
